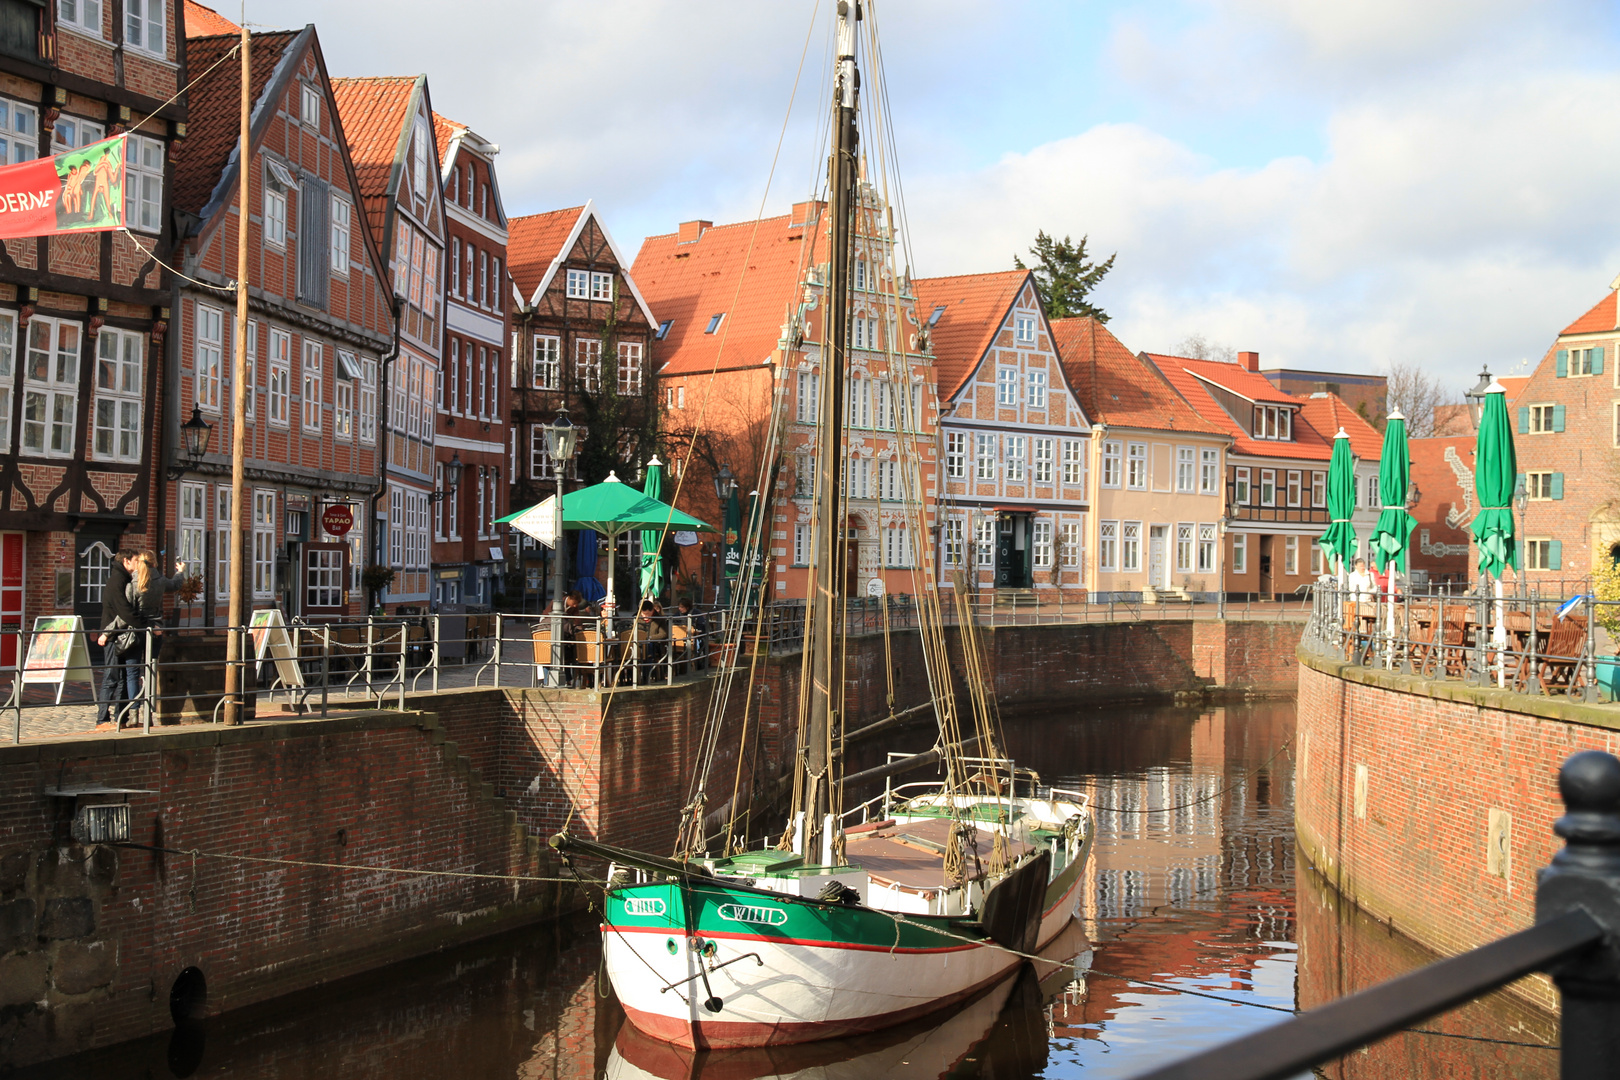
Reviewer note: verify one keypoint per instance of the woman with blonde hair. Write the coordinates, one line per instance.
(147, 586)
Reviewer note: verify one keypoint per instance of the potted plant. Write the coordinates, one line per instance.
(376, 579)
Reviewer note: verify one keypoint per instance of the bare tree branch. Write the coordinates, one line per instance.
(1416, 394)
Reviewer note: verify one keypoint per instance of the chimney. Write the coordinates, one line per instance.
(806, 213)
(691, 231)
(1250, 361)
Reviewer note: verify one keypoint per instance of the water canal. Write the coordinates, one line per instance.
(1199, 925)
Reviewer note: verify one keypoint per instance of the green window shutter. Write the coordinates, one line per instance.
(1558, 485)
(1563, 363)
(1524, 419)
(1597, 360)
(1555, 554)
(1558, 418)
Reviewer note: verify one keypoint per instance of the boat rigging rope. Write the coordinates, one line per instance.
(198, 853)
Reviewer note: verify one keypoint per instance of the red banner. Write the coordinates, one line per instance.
(80, 191)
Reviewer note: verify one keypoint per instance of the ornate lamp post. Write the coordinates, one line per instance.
(452, 478)
(1521, 503)
(194, 436)
(562, 438)
(1476, 396)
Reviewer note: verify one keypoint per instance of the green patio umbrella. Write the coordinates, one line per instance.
(1340, 539)
(652, 540)
(1393, 531)
(1496, 468)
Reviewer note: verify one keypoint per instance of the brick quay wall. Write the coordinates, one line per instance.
(93, 938)
(1430, 805)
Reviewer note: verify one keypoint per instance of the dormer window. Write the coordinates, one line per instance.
(1274, 422)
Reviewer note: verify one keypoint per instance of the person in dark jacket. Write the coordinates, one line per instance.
(118, 616)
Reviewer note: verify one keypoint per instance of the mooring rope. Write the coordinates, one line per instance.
(198, 853)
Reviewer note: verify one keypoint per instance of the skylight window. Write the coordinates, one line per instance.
(938, 311)
(714, 322)
(663, 329)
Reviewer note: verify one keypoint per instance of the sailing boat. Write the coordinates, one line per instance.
(864, 919)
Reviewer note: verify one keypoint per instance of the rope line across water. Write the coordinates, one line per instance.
(197, 853)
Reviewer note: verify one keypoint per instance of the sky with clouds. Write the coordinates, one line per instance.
(1337, 186)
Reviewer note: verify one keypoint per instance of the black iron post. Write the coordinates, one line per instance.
(1586, 875)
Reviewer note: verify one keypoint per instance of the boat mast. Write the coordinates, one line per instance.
(826, 601)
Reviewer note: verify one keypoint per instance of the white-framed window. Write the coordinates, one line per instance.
(413, 394)
(1240, 486)
(483, 382)
(1291, 555)
(1294, 487)
(1041, 534)
(1373, 502)
(539, 454)
(1543, 554)
(396, 527)
(251, 368)
(51, 387)
(1273, 422)
(801, 543)
(1130, 546)
(588, 363)
(343, 396)
(1035, 389)
(342, 215)
(864, 332)
(1042, 473)
(455, 255)
(862, 281)
(312, 388)
(1240, 553)
(1016, 448)
(547, 370)
(119, 394)
(860, 402)
(578, 284)
(1006, 386)
(222, 541)
(1316, 560)
(279, 389)
(275, 207)
(83, 15)
(601, 286)
(1074, 462)
(858, 478)
(208, 357)
(889, 488)
(1136, 466)
(1186, 461)
(897, 547)
(74, 133)
(1544, 418)
(1108, 545)
(956, 453)
(483, 278)
(984, 446)
(19, 132)
(1268, 487)
(984, 543)
(807, 397)
(452, 399)
(497, 284)
(1540, 486)
(1184, 547)
(1584, 361)
(419, 160)
(1206, 549)
(951, 541)
(1318, 489)
(1111, 463)
(1073, 535)
(143, 26)
(438, 506)
(264, 543)
(309, 106)
(882, 405)
(1209, 471)
(483, 504)
(193, 518)
(8, 371)
(630, 368)
(1024, 329)
(368, 401)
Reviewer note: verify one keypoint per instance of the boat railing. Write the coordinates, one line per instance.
(1081, 798)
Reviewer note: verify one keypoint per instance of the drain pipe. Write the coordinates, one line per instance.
(385, 367)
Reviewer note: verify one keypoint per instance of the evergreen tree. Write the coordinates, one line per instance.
(1064, 278)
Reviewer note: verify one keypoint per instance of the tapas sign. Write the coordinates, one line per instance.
(272, 642)
(57, 653)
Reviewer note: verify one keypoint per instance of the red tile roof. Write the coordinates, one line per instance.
(444, 130)
(975, 309)
(1327, 413)
(753, 278)
(1514, 385)
(214, 106)
(1600, 318)
(1237, 379)
(206, 22)
(1308, 443)
(373, 114)
(1114, 387)
(533, 242)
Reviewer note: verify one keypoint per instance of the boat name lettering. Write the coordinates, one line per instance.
(643, 905)
(747, 913)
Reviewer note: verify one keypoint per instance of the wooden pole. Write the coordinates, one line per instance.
(235, 653)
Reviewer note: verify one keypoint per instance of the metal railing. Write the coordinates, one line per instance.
(1575, 939)
(1524, 643)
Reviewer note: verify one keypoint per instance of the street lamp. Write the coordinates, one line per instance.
(194, 436)
(1476, 396)
(1521, 503)
(452, 478)
(725, 482)
(725, 489)
(561, 440)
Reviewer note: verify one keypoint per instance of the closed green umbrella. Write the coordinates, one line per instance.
(652, 540)
(1496, 470)
(1340, 539)
(1393, 531)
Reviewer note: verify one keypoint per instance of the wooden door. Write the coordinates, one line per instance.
(325, 579)
(11, 596)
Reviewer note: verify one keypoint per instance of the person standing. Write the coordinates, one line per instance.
(119, 621)
(147, 587)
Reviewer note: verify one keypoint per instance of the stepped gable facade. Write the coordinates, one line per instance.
(1154, 473)
(1014, 436)
(84, 318)
(389, 124)
(473, 440)
(319, 326)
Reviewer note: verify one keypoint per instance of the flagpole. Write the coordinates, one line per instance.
(235, 653)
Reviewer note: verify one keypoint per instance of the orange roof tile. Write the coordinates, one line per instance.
(752, 278)
(372, 112)
(533, 242)
(214, 105)
(1308, 443)
(444, 130)
(1514, 385)
(1115, 387)
(1327, 413)
(974, 308)
(1600, 318)
(1237, 379)
(206, 22)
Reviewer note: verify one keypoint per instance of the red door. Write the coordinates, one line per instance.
(11, 596)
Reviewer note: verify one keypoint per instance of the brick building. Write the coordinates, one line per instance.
(582, 333)
(1443, 471)
(1154, 469)
(83, 318)
(1012, 493)
(389, 126)
(319, 323)
(1366, 395)
(468, 556)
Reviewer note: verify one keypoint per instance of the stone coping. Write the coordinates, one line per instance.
(195, 736)
(1484, 697)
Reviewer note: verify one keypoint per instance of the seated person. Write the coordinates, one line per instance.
(697, 645)
(650, 638)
